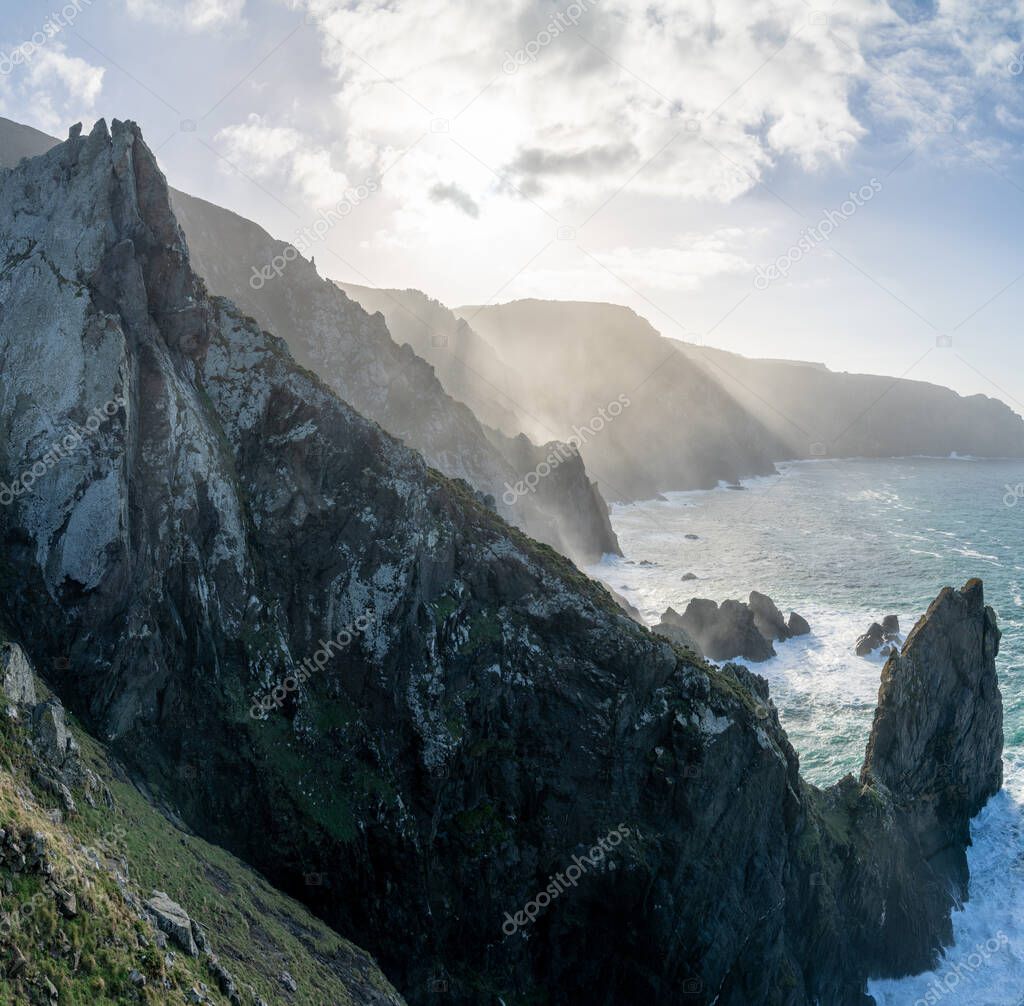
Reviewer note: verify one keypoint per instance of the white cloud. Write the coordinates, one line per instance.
(56, 87)
(508, 121)
(194, 15)
(283, 153)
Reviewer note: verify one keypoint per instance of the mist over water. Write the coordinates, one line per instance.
(844, 543)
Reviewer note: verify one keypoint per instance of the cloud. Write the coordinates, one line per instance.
(572, 110)
(454, 195)
(629, 120)
(282, 153)
(194, 15)
(56, 87)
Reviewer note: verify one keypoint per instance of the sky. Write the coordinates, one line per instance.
(832, 180)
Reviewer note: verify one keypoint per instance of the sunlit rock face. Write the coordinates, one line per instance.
(354, 352)
(472, 715)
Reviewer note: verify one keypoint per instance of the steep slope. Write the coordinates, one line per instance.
(355, 354)
(81, 854)
(465, 363)
(507, 787)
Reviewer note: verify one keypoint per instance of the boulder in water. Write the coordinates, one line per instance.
(797, 625)
(767, 617)
(871, 640)
(725, 631)
(887, 631)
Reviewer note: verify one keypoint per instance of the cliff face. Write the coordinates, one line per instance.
(504, 784)
(470, 368)
(387, 381)
(704, 414)
(862, 415)
(353, 351)
(566, 360)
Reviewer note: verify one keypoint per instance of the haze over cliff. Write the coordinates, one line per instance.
(483, 715)
(354, 353)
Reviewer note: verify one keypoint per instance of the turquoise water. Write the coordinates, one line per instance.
(845, 543)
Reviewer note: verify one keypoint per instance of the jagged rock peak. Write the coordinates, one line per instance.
(938, 728)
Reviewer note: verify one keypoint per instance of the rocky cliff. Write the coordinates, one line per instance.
(465, 363)
(704, 415)
(682, 430)
(819, 413)
(505, 785)
(353, 351)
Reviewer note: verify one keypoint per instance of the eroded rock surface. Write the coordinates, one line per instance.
(498, 716)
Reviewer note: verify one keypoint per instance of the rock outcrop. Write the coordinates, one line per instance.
(732, 629)
(672, 626)
(173, 920)
(767, 617)
(797, 625)
(933, 759)
(878, 635)
(17, 680)
(483, 717)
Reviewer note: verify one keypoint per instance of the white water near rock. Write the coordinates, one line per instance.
(845, 543)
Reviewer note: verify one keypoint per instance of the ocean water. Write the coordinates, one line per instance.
(844, 543)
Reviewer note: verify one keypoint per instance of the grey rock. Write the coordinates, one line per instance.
(724, 631)
(225, 981)
(57, 749)
(767, 617)
(67, 903)
(288, 982)
(688, 576)
(17, 678)
(672, 627)
(797, 625)
(870, 641)
(891, 624)
(173, 920)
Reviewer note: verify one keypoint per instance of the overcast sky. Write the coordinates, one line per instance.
(657, 154)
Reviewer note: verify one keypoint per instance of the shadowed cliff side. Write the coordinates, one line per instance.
(484, 716)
